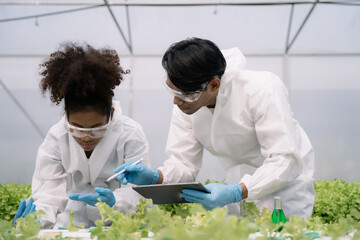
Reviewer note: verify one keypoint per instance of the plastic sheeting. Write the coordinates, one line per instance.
(321, 69)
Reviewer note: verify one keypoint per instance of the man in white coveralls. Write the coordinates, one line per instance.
(244, 118)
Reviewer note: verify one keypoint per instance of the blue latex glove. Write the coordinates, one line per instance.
(138, 174)
(24, 209)
(106, 196)
(219, 196)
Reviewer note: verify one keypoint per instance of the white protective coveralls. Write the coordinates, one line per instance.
(253, 133)
(63, 168)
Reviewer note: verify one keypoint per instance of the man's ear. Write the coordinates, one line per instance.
(215, 84)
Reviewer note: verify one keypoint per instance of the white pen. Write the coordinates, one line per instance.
(117, 174)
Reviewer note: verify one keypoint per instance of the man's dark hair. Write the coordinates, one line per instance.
(193, 62)
(83, 76)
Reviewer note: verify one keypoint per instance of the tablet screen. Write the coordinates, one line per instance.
(167, 193)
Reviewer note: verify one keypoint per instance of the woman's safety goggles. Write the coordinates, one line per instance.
(187, 97)
(97, 132)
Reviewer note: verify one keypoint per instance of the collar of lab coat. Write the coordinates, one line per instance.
(235, 62)
(101, 153)
(90, 168)
(235, 59)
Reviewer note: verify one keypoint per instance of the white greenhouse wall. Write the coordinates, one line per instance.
(324, 89)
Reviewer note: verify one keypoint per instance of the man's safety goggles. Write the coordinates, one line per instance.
(187, 97)
(97, 132)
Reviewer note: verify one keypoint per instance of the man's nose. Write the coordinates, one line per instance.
(178, 101)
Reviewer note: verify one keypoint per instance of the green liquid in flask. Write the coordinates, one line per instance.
(278, 215)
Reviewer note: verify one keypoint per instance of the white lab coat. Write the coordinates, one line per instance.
(253, 133)
(64, 168)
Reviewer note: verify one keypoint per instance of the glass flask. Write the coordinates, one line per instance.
(278, 215)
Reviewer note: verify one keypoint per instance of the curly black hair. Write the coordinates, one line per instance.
(83, 76)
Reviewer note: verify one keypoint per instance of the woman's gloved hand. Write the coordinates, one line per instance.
(138, 174)
(24, 209)
(219, 196)
(106, 196)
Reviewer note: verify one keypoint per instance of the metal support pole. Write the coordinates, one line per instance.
(128, 24)
(289, 27)
(286, 78)
(301, 27)
(131, 90)
(22, 109)
(118, 26)
(285, 57)
(174, 3)
(48, 14)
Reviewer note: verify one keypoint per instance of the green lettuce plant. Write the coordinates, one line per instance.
(336, 199)
(10, 196)
(336, 214)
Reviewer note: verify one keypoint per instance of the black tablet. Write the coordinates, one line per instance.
(168, 193)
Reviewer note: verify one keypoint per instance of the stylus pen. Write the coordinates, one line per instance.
(117, 174)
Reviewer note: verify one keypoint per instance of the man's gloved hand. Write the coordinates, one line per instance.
(138, 174)
(24, 209)
(219, 196)
(106, 196)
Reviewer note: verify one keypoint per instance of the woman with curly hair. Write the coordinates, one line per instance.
(81, 151)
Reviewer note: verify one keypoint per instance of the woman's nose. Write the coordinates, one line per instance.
(86, 138)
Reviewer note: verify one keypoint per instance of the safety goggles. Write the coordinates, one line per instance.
(97, 132)
(187, 97)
